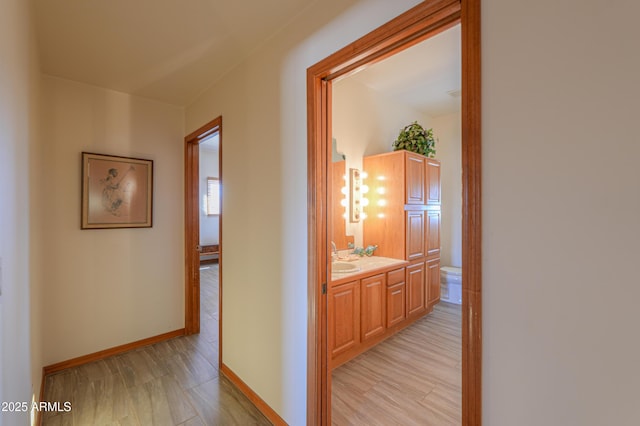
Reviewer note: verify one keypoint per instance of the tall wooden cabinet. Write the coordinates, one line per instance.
(403, 219)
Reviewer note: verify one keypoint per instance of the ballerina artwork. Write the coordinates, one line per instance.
(117, 192)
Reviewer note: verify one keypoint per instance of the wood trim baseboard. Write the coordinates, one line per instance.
(85, 359)
(253, 397)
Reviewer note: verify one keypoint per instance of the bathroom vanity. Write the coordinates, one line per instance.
(365, 306)
(402, 283)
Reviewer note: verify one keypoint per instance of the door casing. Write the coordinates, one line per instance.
(192, 230)
(417, 24)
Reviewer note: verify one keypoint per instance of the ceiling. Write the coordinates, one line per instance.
(423, 77)
(168, 50)
(173, 50)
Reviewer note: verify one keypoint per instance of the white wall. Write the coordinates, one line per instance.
(447, 130)
(20, 355)
(263, 104)
(209, 225)
(560, 212)
(366, 123)
(108, 287)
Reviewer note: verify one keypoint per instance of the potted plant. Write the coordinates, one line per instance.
(416, 139)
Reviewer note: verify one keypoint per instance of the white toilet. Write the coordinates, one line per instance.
(451, 284)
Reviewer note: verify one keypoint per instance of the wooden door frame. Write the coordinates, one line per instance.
(192, 229)
(419, 23)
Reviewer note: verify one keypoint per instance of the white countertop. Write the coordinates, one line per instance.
(367, 264)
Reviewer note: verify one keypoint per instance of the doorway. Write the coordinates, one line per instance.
(413, 371)
(423, 21)
(203, 233)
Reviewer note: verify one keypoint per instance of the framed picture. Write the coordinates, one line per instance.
(117, 192)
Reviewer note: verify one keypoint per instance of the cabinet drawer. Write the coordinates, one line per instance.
(395, 277)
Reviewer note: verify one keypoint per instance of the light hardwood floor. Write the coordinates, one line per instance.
(412, 378)
(170, 383)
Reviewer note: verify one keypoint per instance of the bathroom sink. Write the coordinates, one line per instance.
(344, 267)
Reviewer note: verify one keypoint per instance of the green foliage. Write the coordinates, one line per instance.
(416, 139)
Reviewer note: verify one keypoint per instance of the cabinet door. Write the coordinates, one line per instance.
(416, 295)
(372, 306)
(433, 232)
(415, 178)
(344, 317)
(433, 181)
(396, 297)
(433, 281)
(415, 234)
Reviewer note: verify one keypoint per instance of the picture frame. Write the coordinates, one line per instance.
(117, 192)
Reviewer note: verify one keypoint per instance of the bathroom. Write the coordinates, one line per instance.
(369, 110)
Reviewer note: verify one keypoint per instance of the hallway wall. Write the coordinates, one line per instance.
(263, 104)
(560, 212)
(108, 287)
(20, 334)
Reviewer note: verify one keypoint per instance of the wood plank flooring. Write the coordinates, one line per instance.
(412, 378)
(170, 383)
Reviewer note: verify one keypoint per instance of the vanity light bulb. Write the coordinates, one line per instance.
(343, 202)
(364, 189)
(381, 190)
(381, 178)
(364, 175)
(365, 202)
(363, 215)
(382, 202)
(381, 215)
(345, 215)
(343, 190)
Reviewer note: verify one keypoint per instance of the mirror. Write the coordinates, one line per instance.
(339, 202)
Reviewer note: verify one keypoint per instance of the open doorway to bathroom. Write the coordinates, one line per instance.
(425, 20)
(203, 237)
(413, 373)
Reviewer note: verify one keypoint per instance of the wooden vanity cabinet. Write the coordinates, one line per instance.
(365, 311)
(416, 290)
(373, 306)
(344, 317)
(402, 187)
(432, 275)
(404, 219)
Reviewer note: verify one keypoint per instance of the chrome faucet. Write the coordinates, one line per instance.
(334, 249)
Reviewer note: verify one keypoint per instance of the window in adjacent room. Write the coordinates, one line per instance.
(213, 196)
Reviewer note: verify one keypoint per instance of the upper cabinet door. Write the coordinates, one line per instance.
(432, 227)
(415, 175)
(415, 233)
(433, 181)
